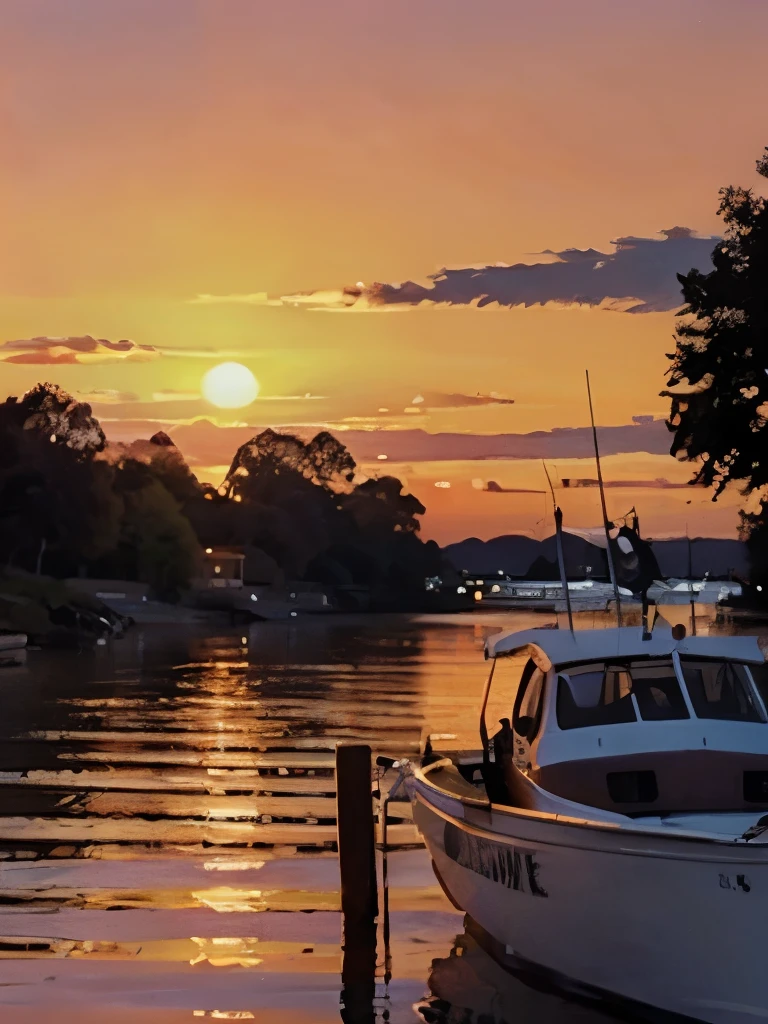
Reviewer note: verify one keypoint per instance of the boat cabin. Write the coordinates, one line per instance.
(636, 723)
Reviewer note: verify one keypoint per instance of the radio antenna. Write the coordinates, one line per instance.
(606, 522)
(559, 542)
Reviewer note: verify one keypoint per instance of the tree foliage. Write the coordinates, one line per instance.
(56, 502)
(718, 380)
(70, 502)
(50, 413)
(65, 506)
(304, 504)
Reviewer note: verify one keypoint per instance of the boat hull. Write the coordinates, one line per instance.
(674, 925)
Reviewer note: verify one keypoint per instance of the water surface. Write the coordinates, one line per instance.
(167, 825)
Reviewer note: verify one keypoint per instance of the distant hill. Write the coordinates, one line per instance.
(518, 555)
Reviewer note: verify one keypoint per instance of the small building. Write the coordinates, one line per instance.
(222, 567)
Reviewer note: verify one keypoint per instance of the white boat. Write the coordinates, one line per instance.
(705, 591)
(548, 595)
(12, 642)
(614, 838)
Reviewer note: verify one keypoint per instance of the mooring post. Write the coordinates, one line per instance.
(357, 867)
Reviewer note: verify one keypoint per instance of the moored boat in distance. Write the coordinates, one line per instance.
(545, 595)
(612, 837)
(13, 649)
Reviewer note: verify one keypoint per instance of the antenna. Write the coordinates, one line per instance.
(606, 522)
(690, 582)
(559, 541)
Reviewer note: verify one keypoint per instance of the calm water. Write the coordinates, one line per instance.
(167, 818)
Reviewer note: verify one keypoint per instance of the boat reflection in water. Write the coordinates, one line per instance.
(470, 987)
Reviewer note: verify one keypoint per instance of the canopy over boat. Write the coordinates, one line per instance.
(554, 647)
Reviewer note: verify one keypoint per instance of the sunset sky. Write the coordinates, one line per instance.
(205, 177)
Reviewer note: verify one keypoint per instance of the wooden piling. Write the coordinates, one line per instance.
(357, 866)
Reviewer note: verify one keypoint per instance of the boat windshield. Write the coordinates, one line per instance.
(720, 689)
(760, 675)
(590, 695)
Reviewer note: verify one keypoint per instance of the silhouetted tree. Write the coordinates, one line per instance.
(299, 503)
(160, 537)
(56, 504)
(719, 372)
(51, 413)
(379, 507)
(718, 379)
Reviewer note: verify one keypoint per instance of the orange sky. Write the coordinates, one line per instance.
(157, 150)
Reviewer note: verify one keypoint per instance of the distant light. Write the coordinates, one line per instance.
(144, 598)
(461, 590)
(209, 551)
(495, 589)
(478, 595)
(208, 497)
(217, 568)
(244, 639)
(53, 439)
(222, 490)
(238, 497)
(760, 589)
(442, 483)
(501, 572)
(294, 614)
(481, 583)
(382, 458)
(361, 284)
(383, 409)
(254, 598)
(293, 597)
(101, 642)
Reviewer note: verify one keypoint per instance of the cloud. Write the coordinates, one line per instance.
(170, 407)
(417, 445)
(640, 276)
(202, 353)
(44, 351)
(441, 400)
(170, 395)
(307, 397)
(108, 396)
(210, 444)
(249, 299)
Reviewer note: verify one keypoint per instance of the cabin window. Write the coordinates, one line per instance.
(719, 689)
(526, 716)
(632, 787)
(760, 675)
(597, 695)
(657, 691)
(756, 787)
(593, 695)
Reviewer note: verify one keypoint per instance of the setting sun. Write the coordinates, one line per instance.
(230, 386)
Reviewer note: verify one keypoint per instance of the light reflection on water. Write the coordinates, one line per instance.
(167, 824)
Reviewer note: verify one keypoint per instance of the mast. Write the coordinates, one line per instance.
(606, 521)
(560, 555)
(690, 582)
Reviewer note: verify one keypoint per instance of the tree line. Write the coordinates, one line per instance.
(72, 504)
